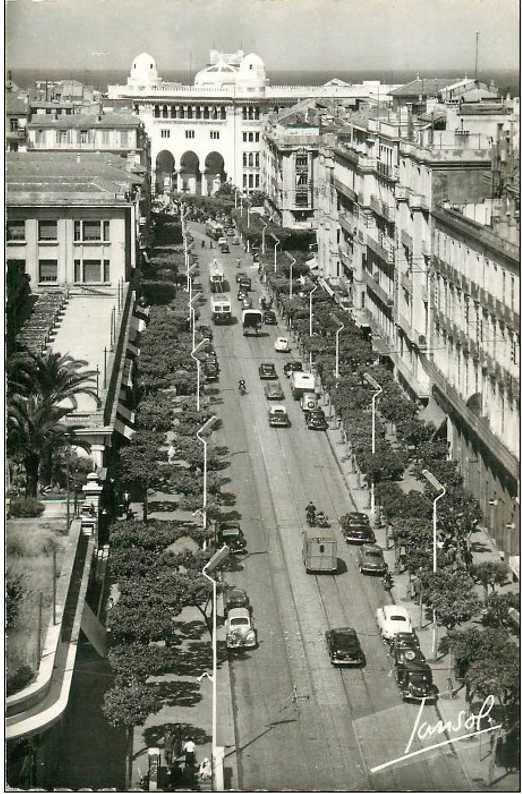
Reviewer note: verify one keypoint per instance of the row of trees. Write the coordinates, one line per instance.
(406, 443)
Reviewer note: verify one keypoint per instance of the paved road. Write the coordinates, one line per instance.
(300, 723)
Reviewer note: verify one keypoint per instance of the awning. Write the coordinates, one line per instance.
(127, 373)
(126, 413)
(132, 349)
(433, 413)
(327, 288)
(123, 429)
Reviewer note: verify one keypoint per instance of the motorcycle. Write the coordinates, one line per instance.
(387, 581)
(242, 387)
(310, 518)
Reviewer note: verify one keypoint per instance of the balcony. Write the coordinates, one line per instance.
(407, 283)
(381, 248)
(401, 192)
(388, 172)
(345, 190)
(407, 240)
(346, 224)
(376, 288)
(418, 202)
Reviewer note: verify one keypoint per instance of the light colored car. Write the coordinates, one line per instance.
(273, 391)
(371, 560)
(239, 629)
(282, 345)
(392, 620)
(308, 401)
(278, 416)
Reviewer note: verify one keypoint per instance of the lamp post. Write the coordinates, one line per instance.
(341, 327)
(292, 263)
(310, 317)
(265, 227)
(198, 365)
(192, 316)
(207, 426)
(378, 391)
(188, 267)
(212, 565)
(441, 492)
(189, 282)
(277, 242)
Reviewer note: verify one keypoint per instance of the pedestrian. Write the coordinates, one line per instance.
(205, 770)
(189, 748)
(171, 453)
(169, 746)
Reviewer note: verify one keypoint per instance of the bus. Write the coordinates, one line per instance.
(221, 308)
(216, 276)
(214, 229)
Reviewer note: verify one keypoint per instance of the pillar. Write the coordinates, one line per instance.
(97, 453)
(92, 492)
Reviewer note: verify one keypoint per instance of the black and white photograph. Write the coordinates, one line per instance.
(262, 395)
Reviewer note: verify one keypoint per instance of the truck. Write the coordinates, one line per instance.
(214, 229)
(223, 245)
(221, 309)
(319, 550)
(252, 321)
(216, 276)
(301, 383)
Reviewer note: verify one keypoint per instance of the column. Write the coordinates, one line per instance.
(97, 453)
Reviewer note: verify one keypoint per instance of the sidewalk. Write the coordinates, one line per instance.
(187, 702)
(475, 755)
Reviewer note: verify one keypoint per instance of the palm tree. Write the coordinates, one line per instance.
(53, 376)
(35, 431)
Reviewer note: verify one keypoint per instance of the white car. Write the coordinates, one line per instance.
(281, 344)
(239, 629)
(392, 620)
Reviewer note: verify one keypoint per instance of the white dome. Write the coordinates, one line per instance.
(218, 74)
(252, 61)
(143, 70)
(252, 70)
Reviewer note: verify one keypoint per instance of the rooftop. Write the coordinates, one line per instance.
(86, 121)
(58, 178)
(16, 103)
(429, 86)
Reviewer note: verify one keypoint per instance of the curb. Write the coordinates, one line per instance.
(225, 708)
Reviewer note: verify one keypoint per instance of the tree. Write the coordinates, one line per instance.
(56, 377)
(489, 574)
(145, 620)
(497, 674)
(14, 596)
(498, 611)
(140, 465)
(135, 661)
(451, 596)
(128, 704)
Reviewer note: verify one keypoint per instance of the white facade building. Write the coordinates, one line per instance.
(214, 127)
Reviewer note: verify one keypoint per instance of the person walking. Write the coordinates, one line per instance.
(189, 748)
(169, 747)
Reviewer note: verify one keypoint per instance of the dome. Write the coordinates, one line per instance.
(252, 70)
(217, 75)
(252, 61)
(143, 70)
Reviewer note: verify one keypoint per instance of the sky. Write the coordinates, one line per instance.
(423, 35)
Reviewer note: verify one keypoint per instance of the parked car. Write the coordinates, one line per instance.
(223, 245)
(246, 302)
(282, 345)
(415, 681)
(205, 331)
(371, 560)
(316, 420)
(344, 647)
(239, 275)
(278, 416)
(356, 528)
(406, 646)
(235, 240)
(267, 371)
(210, 370)
(230, 231)
(230, 532)
(239, 629)
(292, 366)
(392, 619)
(245, 283)
(269, 317)
(273, 391)
(308, 401)
(235, 598)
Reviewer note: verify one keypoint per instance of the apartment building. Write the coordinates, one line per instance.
(73, 219)
(401, 192)
(16, 110)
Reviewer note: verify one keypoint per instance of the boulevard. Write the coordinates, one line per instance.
(299, 722)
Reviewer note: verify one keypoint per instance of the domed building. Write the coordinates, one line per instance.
(144, 72)
(217, 75)
(251, 72)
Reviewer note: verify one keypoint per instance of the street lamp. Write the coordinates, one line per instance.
(378, 391)
(277, 242)
(188, 267)
(341, 327)
(292, 263)
(198, 365)
(207, 426)
(441, 492)
(192, 316)
(265, 227)
(189, 282)
(310, 315)
(215, 562)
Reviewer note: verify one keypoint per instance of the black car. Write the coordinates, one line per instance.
(211, 370)
(269, 317)
(292, 366)
(356, 528)
(206, 331)
(239, 275)
(231, 534)
(235, 598)
(316, 420)
(245, 283)
(415, 681)
(406, 645)
(267, 371)
(241, 294)
(344, 647)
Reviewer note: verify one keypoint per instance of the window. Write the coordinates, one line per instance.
(106, 270)
(245, 159)
(257, 180)
(214, 135)
(91, 270)
(257, 159)
(250, 160)
(13, 125)
(245, 137)
(503, 286)
(62, 136)
(47, 230)
(301, 161)
(165, 133)
(244, 180)
(15, 230)
(256, 136)
(250, 137)
(91, 231)
(47, 270)
(190, 133)
(105, 137)
(250, 180)
(83, 136)
(124, 138)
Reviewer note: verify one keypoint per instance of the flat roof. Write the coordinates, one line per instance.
(67, 178)
(85, 121)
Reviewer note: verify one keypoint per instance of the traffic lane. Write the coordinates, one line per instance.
(374, 689)
(321, 742)
(271, 749)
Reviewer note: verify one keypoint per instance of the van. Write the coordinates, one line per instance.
(319, 550)
(221, 309)
(309, 402)
(301, 383)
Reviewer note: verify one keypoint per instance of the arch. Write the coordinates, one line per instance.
(190, 172)
(164, 169)
(214, 168)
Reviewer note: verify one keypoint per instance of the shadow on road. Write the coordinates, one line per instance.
(177, 693)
